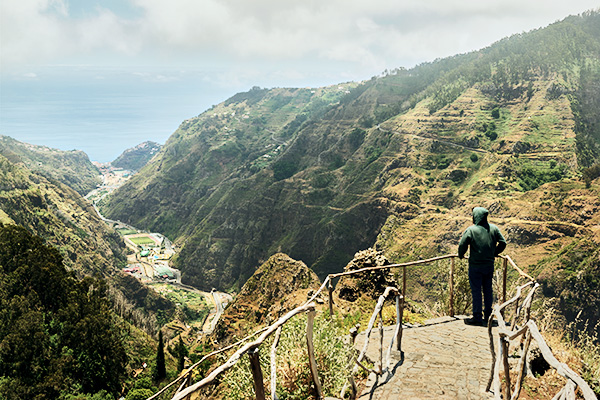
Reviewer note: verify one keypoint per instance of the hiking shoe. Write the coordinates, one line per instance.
(475, 322)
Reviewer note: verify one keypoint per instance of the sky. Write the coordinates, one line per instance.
(102, 74)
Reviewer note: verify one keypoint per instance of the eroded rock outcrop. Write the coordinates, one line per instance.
(369, 284)
(278, 286)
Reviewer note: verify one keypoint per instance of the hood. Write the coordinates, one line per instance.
(480, 215)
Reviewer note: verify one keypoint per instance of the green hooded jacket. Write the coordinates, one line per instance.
(485, 240)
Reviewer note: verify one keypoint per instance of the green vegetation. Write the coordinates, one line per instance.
(61, 217)
(135, 158)
(145, 299)
(72, 168)
(531, 175)
(192, 304)
(160, 370)
(591, 173)
(142, 240)
(125, 231)
(587, 346)
(333, 355)
(56, 332)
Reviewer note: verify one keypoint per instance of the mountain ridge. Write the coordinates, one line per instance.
(322, 173)
(73, 168)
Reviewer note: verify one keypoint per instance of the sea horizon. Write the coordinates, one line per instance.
(101, 114)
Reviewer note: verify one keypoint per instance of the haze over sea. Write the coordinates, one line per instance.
(102, 112)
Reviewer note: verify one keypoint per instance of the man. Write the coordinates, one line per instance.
(485, 242)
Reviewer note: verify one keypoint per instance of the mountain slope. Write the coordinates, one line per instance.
(318, 173)
(60, 216)
(135, 158)
(278, 286)
(73, 168)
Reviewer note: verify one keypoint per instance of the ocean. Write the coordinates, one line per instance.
(101, 113)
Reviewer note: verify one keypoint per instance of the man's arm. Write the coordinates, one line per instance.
(465, 240)
(501, 245)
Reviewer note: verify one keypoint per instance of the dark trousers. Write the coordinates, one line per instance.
(480, 278)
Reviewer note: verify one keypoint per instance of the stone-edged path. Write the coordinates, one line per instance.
(443, 359)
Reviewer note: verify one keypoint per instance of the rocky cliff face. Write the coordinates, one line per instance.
(370, 285)
(278, 286)
(135, 158)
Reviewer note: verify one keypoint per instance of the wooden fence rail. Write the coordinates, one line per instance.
(530, 331)
(500, 362)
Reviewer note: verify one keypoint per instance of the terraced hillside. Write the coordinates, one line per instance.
(398, 160)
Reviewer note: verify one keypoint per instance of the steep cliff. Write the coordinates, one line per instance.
(278, 286)
(135, 158)
(72, 168)
(399, 160)
(60, 216)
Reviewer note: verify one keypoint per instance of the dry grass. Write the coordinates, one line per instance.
(577, 348)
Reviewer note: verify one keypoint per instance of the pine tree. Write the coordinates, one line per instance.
(160, 371)
(181, 353)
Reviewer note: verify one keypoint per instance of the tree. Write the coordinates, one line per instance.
(56, 331)
(182, 352)
(160, 371)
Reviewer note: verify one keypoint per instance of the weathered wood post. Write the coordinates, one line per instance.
(506, 367)
(351, 381)
(311, 353)
(259, 387)
(188, 382)
(504, 272)
(274, 364)
(452, 286)
(522, 365)
(404, 282)
(514, 322)
(330, 289)
(399, 317)
(402, 301)
(381, 341)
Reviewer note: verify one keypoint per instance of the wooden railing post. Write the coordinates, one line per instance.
(330, 289)
(259, 388)
(188, 381)
(504, 273)
(351, 382)
(522, 366)
(402, 305)
(311, 353)
(404, 282)
(399, 318)
(274, 364)
(381, 341)
(452, 287)
(505, 343)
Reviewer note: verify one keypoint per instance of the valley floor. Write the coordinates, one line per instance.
(149, 261)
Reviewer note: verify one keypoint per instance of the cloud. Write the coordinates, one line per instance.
(363, 35)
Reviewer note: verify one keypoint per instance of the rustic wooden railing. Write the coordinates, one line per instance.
(252, 348)
(526, 331)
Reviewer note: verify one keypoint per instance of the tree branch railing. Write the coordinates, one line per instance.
(526, 331)
(252, 348)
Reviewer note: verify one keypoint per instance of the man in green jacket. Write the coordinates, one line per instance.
(485, 242)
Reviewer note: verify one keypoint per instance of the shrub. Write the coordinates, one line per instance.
(332, 353)
(284, 169)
